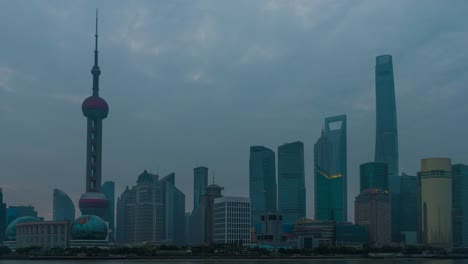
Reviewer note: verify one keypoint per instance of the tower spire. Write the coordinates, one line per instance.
(95, 70)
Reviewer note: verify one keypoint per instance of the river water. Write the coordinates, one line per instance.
(233, 261)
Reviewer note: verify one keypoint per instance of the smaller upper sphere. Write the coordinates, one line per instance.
(95, 107)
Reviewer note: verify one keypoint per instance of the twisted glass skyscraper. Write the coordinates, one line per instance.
(330, 161)
(291, 182)
(386, 140)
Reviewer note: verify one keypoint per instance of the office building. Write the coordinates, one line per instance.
(435, 180)
(95, 109)
(408, 209)
(460, 205)
(373, 210)
(63, 208)
(291, 182)
(386, 140)
(3, 217)
(10, 231)
(200, 182)
(108, 189)
(270, 233)
(231, 220)
(123, 227)
(330, 175)
(350, 235)
(314, 233)
(202, 219)
(14, 212)
(373, 175)
(174, 211)
(262, 183)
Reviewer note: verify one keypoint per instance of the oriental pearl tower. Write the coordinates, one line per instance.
(95, 109)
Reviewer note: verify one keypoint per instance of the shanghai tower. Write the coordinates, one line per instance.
(95, 109)
(386, 139)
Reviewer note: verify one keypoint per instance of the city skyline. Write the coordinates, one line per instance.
(55, 156)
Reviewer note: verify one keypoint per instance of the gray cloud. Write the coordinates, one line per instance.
(197, 82)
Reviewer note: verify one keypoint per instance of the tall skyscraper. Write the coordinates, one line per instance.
(373, 210)
(200, 182)
(174, 210)
(2, 217)
(108, 189)
(123, 231)
(408, 208)
(330, 162)
(231, 220)
(63, 207)
(291, 182)
(262, 183)
(435, 179)
(386, 139)
(95, 109)
(374, 175)
(460, 205)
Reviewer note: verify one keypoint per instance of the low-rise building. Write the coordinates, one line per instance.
(46, 234)
(314, 233)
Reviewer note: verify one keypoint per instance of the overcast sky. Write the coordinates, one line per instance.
(198, 82)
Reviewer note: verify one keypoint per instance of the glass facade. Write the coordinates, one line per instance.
(108, 189)
(373, 175)
(262, 183)
(291, 182)
(460, 205)
(386, 140)
(63, 208)
(409, 203)
(330, 165)
(348, 234)
(174, 210)
(200, 182)
(2, 217)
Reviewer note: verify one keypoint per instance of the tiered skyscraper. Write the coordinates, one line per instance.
(262, 183)
(291, 182)
(95, 109)
(330, 161)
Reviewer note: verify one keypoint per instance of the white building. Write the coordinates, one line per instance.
(232, 220)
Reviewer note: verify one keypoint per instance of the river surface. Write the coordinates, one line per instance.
(232, 261)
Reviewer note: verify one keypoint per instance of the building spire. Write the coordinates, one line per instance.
(95, 70)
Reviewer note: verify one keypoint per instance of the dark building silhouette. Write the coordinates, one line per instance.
(95, 109)
(330, 165)
(262, 183)
(2, 217)
(202, 219)
(174, 211)
(63, 207)
(200, 182)
(460, 205)
(408, 209)
(14, 212)
(122, 217)
(291, 182)
(374, 175)
(108, 189)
